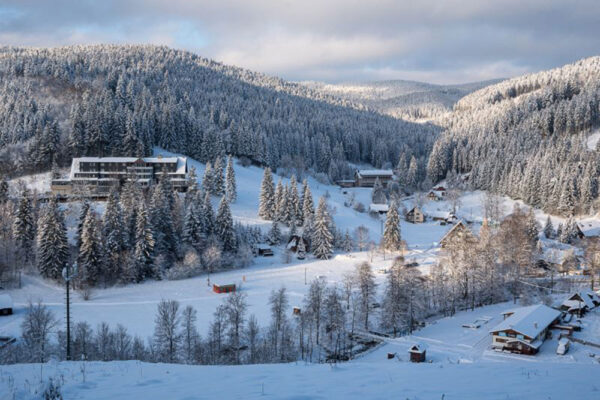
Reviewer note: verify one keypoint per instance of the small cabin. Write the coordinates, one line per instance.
(417, 353)
(415, 215)
(432, 196)
(379, 208)
(264, 250)
(6, 304)
(294, 241)
(224, 288)
(297, 311)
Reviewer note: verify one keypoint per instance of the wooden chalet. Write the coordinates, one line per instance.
(367, 177)
(459, 232)
(580, 302)
(523, 330)
(294, 241)
(224, 288)
(417, 353)
(379, 208)
(588, 228)
(415, 215)
(264, 250)
(432, 196)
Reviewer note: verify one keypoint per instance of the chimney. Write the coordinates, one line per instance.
(535, 325)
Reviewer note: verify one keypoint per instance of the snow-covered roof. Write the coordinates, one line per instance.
(375, 172)
(263, 246)
(379, 207)
(440, 214)
(180, 161)
(585, 297)
(5, 301)
(590, 227)
(459, 223)
(529, 321)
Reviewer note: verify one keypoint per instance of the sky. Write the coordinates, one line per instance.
(329, 40)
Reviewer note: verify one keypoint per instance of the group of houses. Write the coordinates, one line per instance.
(523, 330)
(97, 175)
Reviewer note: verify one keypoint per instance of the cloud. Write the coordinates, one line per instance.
(333, 40)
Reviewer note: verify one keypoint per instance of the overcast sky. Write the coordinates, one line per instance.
(437, 41)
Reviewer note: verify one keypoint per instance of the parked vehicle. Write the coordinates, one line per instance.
(6, 304)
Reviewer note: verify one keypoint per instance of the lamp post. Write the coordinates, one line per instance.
(67, 276)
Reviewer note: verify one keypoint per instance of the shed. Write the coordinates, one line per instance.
(417, 353)
(224, 288)
(6, 304)
(263, 249)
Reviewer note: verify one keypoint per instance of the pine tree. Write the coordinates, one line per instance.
(85, 207)
(322, 238)
(113, 234)
(267, 206)
(208, 181)
(549, 229)
(91, 252)
(274, 236)
(230, 184)
(53, 247)
(192, 189)
(219, 182)
(192, 227)
(162, 223)
(143, 260)
(391, 233)
(533, 231)
(308, 207)
(283, 215)
(208, 216)
(294, 206)
(224, 227)
(24, 227)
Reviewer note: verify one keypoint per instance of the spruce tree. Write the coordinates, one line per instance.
(91, 252)
(192, 227)
(224, 227)
(347, 243)
(208, 216)
(533, 231)
(219, 182)
(274, 236)
(85, 207)
(266, 208)
(192, 186)
(143, 260)
(208, 181)
(113, 234)
(53, 247)
(3, 190)
(24, 227)
(391, 233)
(230, 184)
(308, 207)
(322, 238)
(294, 206)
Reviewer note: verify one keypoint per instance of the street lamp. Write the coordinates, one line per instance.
(67, 275)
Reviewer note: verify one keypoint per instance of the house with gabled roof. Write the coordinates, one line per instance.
(524, 329)
(459, 231)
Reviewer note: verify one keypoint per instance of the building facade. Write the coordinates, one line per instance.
(367, 177)
(97, 175)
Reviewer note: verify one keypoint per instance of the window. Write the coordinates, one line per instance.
(521, 337)
(502, 334)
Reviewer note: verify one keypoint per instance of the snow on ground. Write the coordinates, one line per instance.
(461, 367)
(383, 379)
(37, 183)
(592, 140)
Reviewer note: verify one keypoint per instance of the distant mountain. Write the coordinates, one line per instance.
(122, 100)
(402, 99)
(529, 137)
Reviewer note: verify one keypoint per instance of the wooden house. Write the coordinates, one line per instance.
(379, 208)
(224, 288)
(292, 244)
(524, 329)
(415, 215)
(432, 196)
(417, 353)
(367, 177)
(579, 303)
(264, 250)
(6, 304)
(588, 228)
(346, 183)
(459, 232)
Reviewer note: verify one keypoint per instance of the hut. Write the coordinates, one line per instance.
(264, 250)
(379, 208)
(417, 353)
(292, 244)
(224, 288)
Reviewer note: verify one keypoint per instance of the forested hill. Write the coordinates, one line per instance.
(122, 100)
(402, 99)
(528, 137)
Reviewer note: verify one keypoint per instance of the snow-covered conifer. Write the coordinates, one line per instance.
(391, 232)
(322, 238)
(224, 227)
(230, 184)
(267, 206)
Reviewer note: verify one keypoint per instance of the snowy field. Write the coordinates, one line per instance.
(461, 367)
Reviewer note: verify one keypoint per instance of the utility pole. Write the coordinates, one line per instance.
(67, 276)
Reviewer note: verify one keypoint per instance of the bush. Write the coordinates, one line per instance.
(359, 207)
